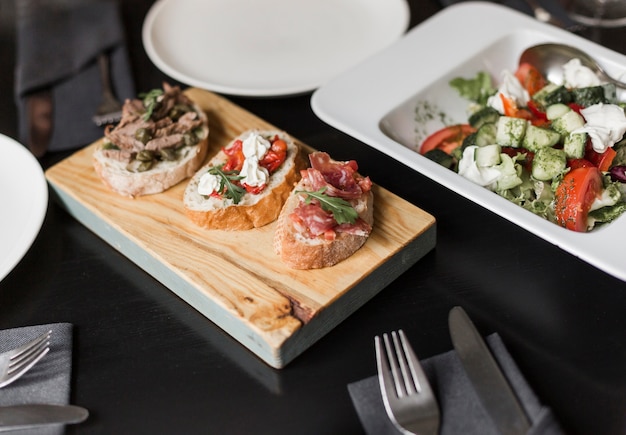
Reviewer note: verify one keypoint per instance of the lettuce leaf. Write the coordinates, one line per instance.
(477, 89)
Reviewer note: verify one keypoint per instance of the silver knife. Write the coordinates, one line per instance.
(28, 416)
(483, 371)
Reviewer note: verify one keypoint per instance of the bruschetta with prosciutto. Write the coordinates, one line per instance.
(328, 216)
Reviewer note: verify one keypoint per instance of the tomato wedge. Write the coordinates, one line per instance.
(447, 138)
(579, 163)
(602, 160)
(574, 196)
(530, 78)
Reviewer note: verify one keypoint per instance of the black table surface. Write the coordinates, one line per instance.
(146, 362)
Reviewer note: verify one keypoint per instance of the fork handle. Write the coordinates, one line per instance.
(105, 73)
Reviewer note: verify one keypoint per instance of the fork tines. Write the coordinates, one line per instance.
(20, 360)
(108, 118)
(407, 395)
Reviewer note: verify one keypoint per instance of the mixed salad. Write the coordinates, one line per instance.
(558, 150)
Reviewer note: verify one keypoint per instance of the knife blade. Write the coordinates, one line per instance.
(33, 415)
(490, 384)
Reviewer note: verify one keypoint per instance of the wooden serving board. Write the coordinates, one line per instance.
(234, 278)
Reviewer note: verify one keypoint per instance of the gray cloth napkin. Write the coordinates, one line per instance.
(48, 381)
(58, 42)
(461, 410)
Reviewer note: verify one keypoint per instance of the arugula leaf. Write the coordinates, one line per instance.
(342, 210)
(150, 101)
(227, 187)
(477, 89)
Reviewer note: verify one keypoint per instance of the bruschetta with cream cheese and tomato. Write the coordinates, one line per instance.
(161, 140)
(246, 184)
(328, 216)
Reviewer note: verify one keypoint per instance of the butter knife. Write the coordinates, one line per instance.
(490, 384)
(29, 416)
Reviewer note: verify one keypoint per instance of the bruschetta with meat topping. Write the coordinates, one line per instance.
(161, 140)
(245, 185)
(328, 216)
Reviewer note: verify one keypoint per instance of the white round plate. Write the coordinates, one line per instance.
(24, 199)
(267, 47)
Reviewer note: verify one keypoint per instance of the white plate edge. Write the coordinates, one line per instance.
(228, 90)
(34, 222)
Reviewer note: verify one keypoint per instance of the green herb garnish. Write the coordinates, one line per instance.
(477, 89)
(342, 210)
(150, 102)
(227, 187)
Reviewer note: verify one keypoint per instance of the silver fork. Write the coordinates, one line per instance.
(110, 109)
(407, 395)
(14, 363)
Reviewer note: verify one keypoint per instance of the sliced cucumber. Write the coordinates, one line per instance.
(548, 163)
(552, 94)
(483, 116)
(568, 122)
(556, 111)
(488, 155)
(510, 131)
(537, 138)
(574, 145)
(510, 177)
(486, 134)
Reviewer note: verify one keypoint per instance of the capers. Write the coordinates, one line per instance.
(110, 146)
(178, 110)
(143, 135)
(169, 154)
(145, 156)
(190, 139)
(139, 166)
(144, 166)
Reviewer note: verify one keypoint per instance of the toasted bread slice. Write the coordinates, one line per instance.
(253, 210)
(298, 249)
(116, 163)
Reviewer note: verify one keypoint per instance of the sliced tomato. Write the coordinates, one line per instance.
(576, 107)
(275, 156)
(511, 109)
(602, 160)
(255, 190)
(447, 139)
(579, 163)
(536, 111)
(235, 157)
(530, 78)
(534, 115)
(574, 196)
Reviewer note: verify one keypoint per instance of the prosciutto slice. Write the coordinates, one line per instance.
(313, 217)
(339, 179)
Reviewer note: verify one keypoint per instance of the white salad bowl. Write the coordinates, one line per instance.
(385, 102)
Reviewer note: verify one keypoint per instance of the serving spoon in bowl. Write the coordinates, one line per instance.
(550, 58)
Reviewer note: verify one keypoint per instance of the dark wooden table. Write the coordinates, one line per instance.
(146, 362)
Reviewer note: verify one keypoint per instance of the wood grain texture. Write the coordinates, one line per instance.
(234, 278)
